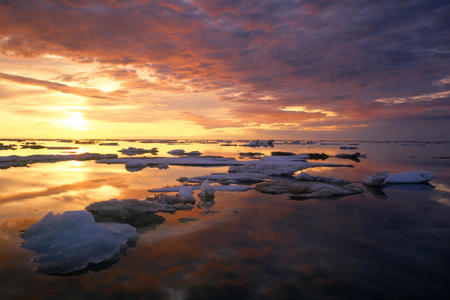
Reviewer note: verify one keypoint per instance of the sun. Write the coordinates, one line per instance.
(76, 121)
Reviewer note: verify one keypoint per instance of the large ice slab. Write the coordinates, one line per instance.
(142, 162)
(131, 211)
(303, 176)
(279, 167)
(410, 177)
(181, 152)
(268, 165)
(70, 242)
(227, 178)
(222, 188)
(308, 189)
(383, 178)
(21, 161)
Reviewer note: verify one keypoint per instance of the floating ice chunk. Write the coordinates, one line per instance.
(32, 146)
(186, 194)
(250, 154)
(265, 169)
(20, 161)
(70, 242)
(176, 152)
(162, 166)
(177, 161)
(308, 189)
(135, 151)
(131, 211)
(348, 147)
(206, 191)
(221, 188)
(383, 178)
(303, 176)
(410, 177)
(279, 165)
(228, 178)
(258, 143)
(108, 144)
(8, 147)
(179, 152)
(377, 179)
(354, 156)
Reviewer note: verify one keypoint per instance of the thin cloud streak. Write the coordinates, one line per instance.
(63, 88)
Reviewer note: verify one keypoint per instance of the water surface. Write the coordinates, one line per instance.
(389, 244)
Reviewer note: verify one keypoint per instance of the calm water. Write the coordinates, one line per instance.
(366, 246)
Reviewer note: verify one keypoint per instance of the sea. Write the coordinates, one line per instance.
(384, 243)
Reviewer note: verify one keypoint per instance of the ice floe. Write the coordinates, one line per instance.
(303, 176)
(279, 165)
(377, 179)
(250, 154)
(354, 156)
(187, 161)
(72, 241)
(32, 146)
(410, 177)
(227, 178)
(21, 161)
(181, 152)
(308, 189)
(383, 178)
(131, 211)
(8, 147)
(135, 151)
(108, 144)
(259, 143)
(222, 188)
(186, 194)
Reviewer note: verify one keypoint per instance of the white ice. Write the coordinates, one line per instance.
(69, 242)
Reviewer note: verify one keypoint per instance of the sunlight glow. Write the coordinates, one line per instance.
(76, 121)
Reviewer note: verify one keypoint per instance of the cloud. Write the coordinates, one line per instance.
(63, 88)
(258, 57)
(419, 98)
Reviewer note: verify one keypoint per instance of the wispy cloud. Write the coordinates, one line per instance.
(63, 88)
(413, 99)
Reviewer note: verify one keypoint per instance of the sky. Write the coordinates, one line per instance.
(286, 69)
